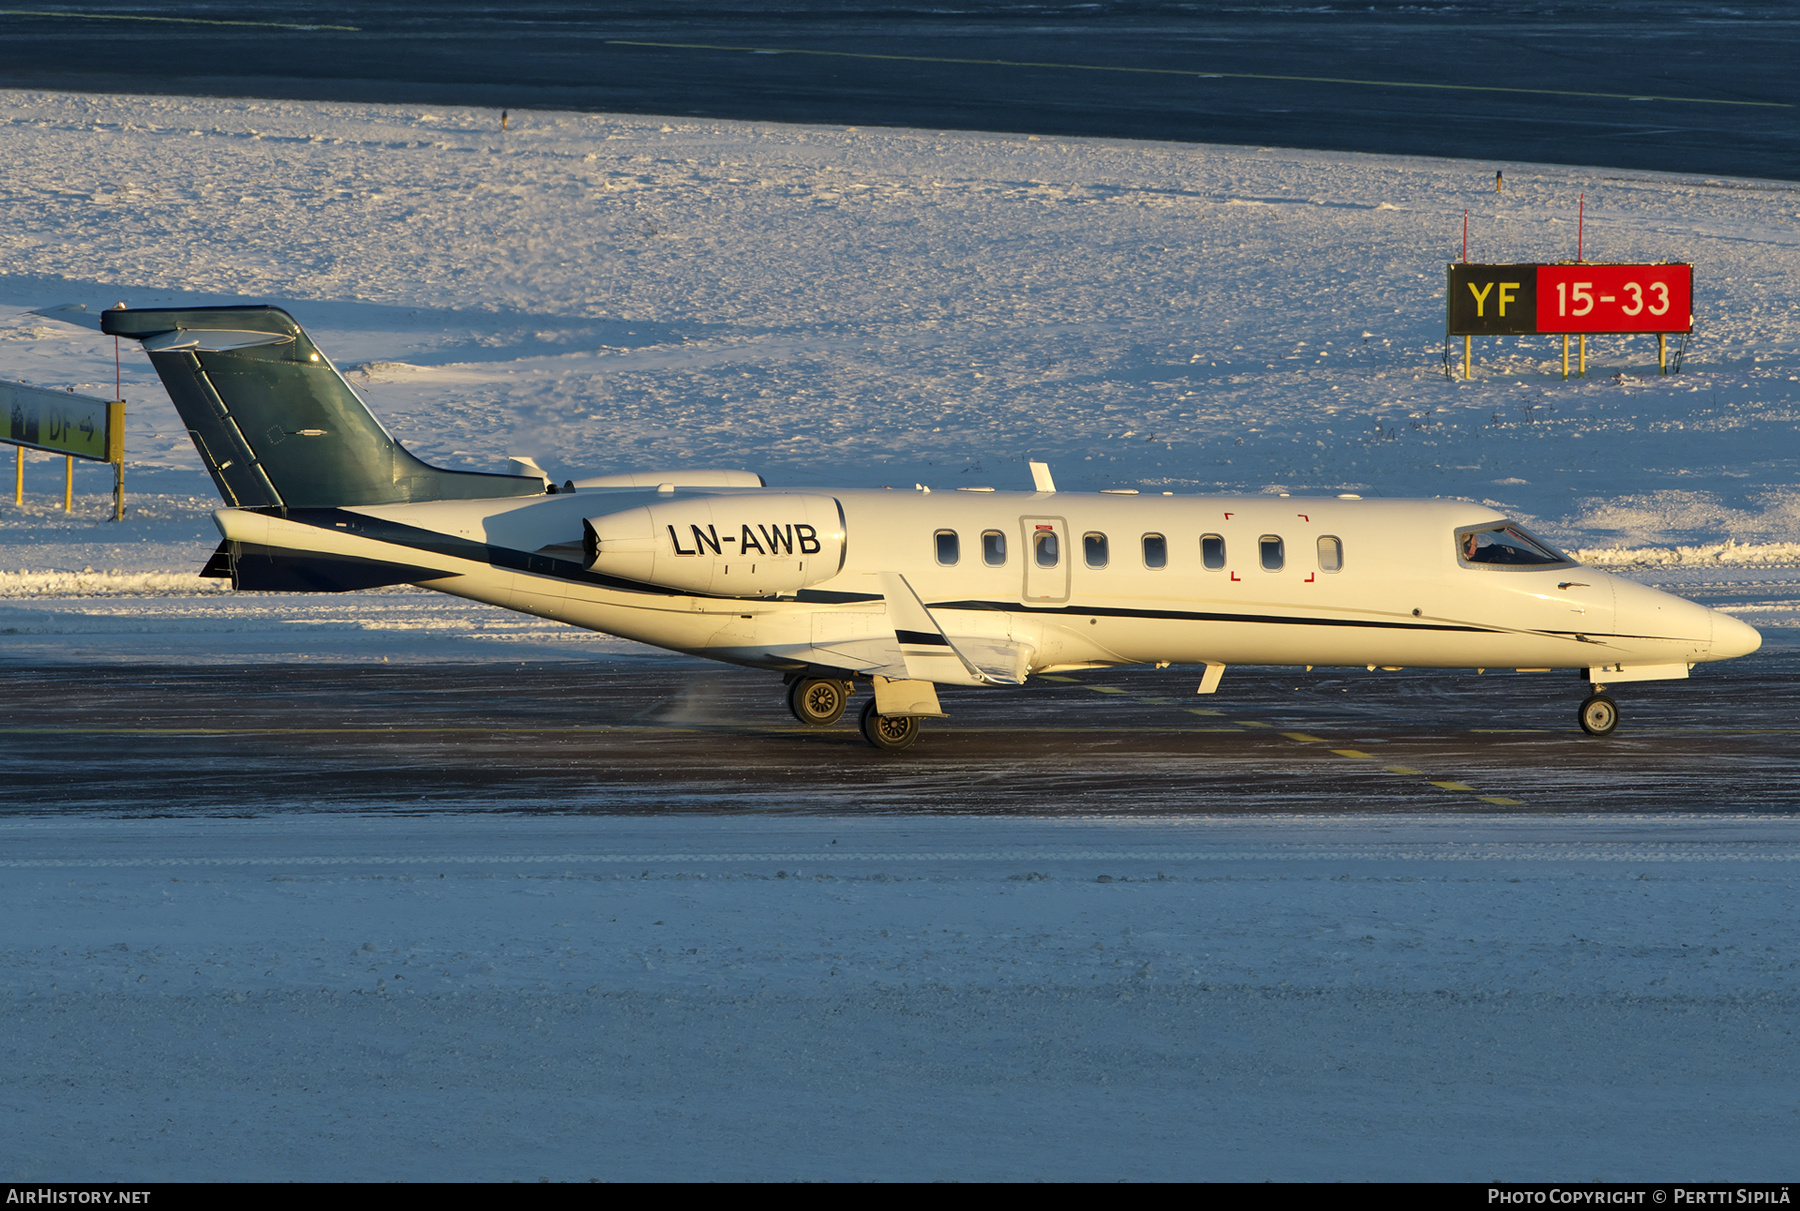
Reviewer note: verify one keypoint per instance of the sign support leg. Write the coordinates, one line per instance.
(1662, 353)
(68, 483)
(1468, 354)
(1565, 357)
(1583, 355)
(19, 477)
(115, 453)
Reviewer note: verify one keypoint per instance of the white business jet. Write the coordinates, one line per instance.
(906, 590)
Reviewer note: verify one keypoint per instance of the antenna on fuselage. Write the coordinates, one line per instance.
(1040, 477)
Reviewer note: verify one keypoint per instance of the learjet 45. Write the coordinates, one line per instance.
(903, 590)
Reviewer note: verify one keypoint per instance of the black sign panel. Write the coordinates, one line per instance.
(1491, 300)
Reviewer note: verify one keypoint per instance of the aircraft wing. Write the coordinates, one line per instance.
(985, 660)
(875, 657)
(999, 661)
(906, 642)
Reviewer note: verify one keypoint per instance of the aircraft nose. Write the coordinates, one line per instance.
(1731, 637)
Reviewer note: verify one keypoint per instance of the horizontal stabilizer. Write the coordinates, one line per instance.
(219, 340)
(71, 313)
(702, 478)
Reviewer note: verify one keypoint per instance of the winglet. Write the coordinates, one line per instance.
(928, 652)
(1040, 478)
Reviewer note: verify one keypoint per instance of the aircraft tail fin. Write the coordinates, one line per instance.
(275, 422)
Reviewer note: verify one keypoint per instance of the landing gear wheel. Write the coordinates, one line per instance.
(818, 701)
(890, 733)
(1599, 715)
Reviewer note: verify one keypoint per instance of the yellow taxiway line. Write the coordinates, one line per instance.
(1348, 754)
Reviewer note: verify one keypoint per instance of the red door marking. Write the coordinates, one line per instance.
(1309, 577)
(1303, 517)
(1228, 517)
(1235, 576)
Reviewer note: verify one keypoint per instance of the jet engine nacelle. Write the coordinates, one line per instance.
(727, 546)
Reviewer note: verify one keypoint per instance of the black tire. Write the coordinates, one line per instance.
(889, 733)
(1598, 716)
(818, 701)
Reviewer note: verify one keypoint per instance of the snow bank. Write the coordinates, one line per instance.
(1728, 553)
(89, 583)
(212, 625)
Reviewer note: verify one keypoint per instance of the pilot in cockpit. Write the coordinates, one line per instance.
(1508, 544)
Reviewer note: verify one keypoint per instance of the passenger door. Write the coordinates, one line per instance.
(1046, 550)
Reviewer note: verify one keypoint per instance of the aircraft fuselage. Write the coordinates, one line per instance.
(1050, 580)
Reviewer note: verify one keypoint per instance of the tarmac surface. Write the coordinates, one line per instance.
(1676, 86)
(628, 736)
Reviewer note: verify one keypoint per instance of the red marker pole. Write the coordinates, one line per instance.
(1468, 342)
(1580, 231)
(115, 435)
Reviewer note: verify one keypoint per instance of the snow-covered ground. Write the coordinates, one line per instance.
(463, 997)
(880, 306)
(877, 306)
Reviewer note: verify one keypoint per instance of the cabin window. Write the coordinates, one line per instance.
(1212, 551)
(1093, 549)
(1156, 551)
(1331, 554)
(1506, 545)
(949, 548)
(1273, 556)
(993, 548)
(1045, 548)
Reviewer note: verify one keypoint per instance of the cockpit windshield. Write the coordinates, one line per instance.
(1506, 545)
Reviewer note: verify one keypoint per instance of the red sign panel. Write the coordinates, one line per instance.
(1615, 298)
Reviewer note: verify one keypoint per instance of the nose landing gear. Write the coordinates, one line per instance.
(1599, 715)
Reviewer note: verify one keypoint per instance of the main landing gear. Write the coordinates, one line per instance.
(1599, 715)
(818, 701)
(821, 701)
(889, 733)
